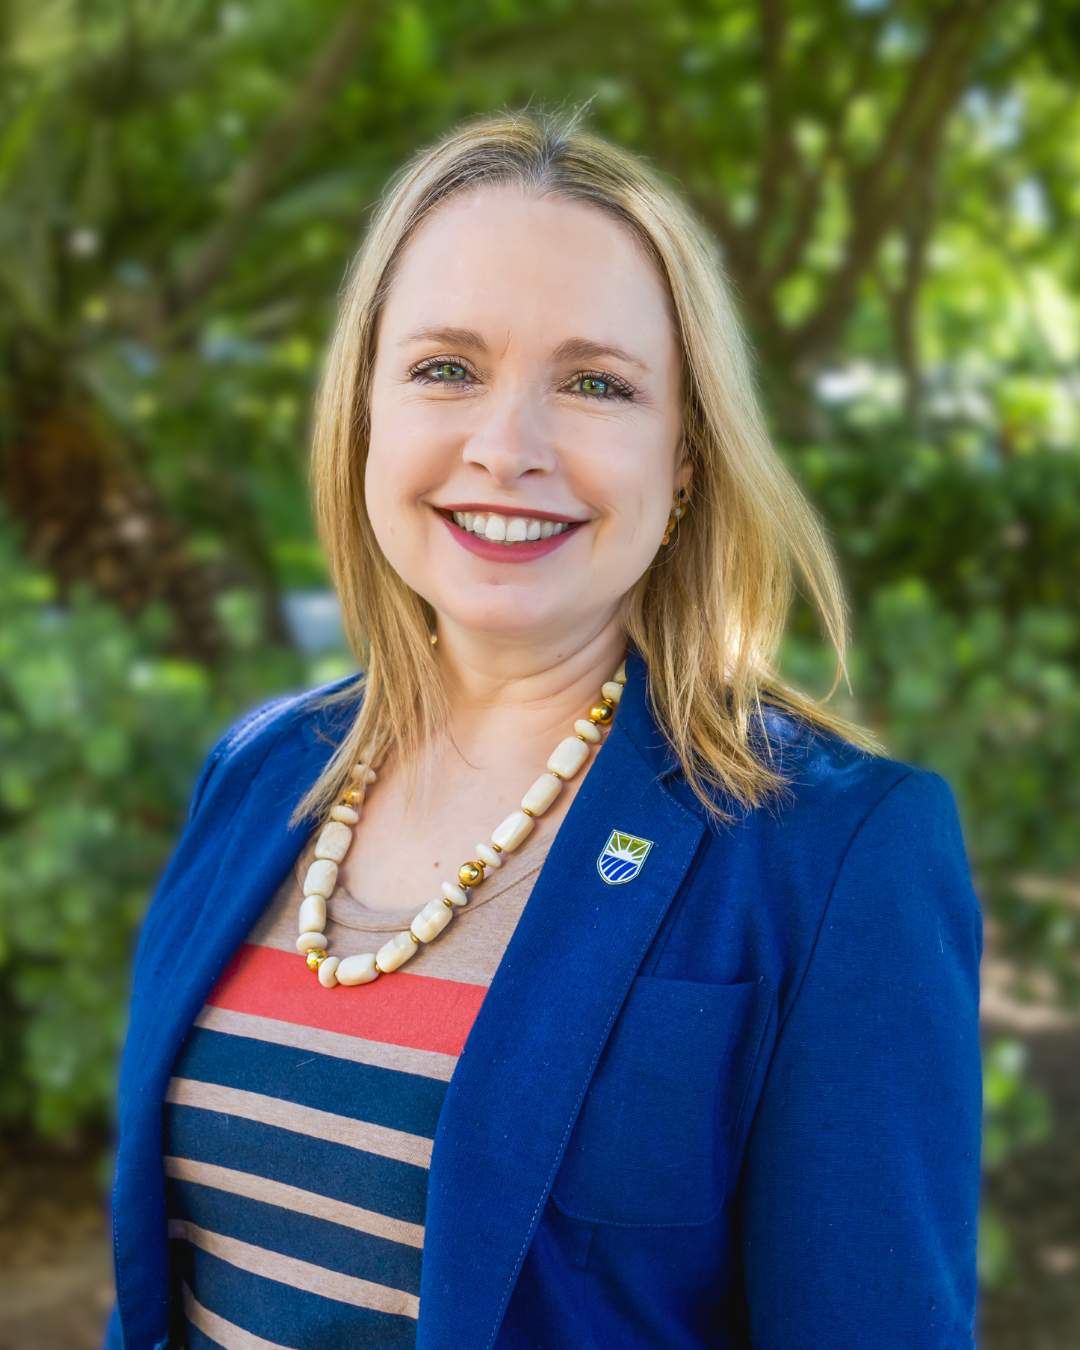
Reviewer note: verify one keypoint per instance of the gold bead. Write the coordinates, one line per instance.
(448, 903)
(527, 812)
(378, 969)
(471, 873)
(416, 940)
(353, 796)
(602, 712)
(315, 958)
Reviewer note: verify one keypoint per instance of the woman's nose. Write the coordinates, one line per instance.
(510, 440)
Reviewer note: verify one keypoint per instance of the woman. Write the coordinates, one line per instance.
(684, 1052)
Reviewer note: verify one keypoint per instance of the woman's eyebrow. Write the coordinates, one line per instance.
(572, 349)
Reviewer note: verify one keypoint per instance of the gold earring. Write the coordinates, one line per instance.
(678, 510)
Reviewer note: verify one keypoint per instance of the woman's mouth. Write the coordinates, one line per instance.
(499, 538)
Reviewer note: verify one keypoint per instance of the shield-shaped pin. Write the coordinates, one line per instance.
(621, 857)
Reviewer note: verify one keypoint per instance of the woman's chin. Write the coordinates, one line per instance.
(542, 624)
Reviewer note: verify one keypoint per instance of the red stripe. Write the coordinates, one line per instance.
(400, 1008)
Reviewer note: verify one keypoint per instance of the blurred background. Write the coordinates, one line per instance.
(896, 188)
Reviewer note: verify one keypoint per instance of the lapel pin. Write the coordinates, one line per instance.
(622, 857)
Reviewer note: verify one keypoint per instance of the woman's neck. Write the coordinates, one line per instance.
(518, 701)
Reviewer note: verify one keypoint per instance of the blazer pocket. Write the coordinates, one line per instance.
(652, 1143)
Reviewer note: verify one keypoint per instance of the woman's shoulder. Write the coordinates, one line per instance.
(836, 793)
(275, 714)
(250, 733)
(824, 768)
(868, 847)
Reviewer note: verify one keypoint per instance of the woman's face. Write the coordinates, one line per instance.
(558, 391)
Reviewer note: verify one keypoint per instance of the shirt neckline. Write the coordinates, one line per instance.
(346, 910)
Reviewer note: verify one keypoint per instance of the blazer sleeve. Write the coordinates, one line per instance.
(860, 1194)
(221, 748)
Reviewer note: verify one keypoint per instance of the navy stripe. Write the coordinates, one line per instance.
(404, 1101)
(199, 1340)
(289, 1316)
(303, 1236)
(351, 1174)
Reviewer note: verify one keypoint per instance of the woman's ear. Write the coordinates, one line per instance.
(684, 474)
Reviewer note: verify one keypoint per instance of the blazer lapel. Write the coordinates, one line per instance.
(519, 1082)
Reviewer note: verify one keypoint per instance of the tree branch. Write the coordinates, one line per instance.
(877, 193)
(811, 182)
(777, 145)
(281, 140)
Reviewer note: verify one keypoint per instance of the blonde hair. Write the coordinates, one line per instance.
(709, 614)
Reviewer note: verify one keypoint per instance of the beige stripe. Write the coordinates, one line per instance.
(427, 1063)
(308, 1120)
(225, 1333)
(299, 1274)
(294, 1198)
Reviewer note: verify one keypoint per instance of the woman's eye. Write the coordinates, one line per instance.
(445, 371)
(426, 373)
(616, 388)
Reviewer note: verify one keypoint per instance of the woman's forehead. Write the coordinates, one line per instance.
(510, 267)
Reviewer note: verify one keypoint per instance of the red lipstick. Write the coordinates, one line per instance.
(494, 551)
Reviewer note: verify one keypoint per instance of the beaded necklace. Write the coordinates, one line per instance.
(337, 835)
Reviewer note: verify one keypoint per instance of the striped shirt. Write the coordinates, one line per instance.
(299, 1123)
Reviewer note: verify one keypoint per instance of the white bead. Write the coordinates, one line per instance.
(589, 730)
(457, 894)
(612, 690)
(333, 841)
(346, 814)
(486, 854)
(395, 952)
(620, 674)
(514, 829)
(542, 793)
(328, 972)
(431, 920)
(357, 969)
(312, 918)
(310, 942)
(363, 773)
(321, 878)
(568, 756)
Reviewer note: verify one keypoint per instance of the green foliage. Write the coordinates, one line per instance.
(100, 740)
(1016, 1116)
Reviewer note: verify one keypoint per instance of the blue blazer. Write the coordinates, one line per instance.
(732, 1101)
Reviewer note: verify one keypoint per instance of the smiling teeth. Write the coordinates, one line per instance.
(507, 529)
